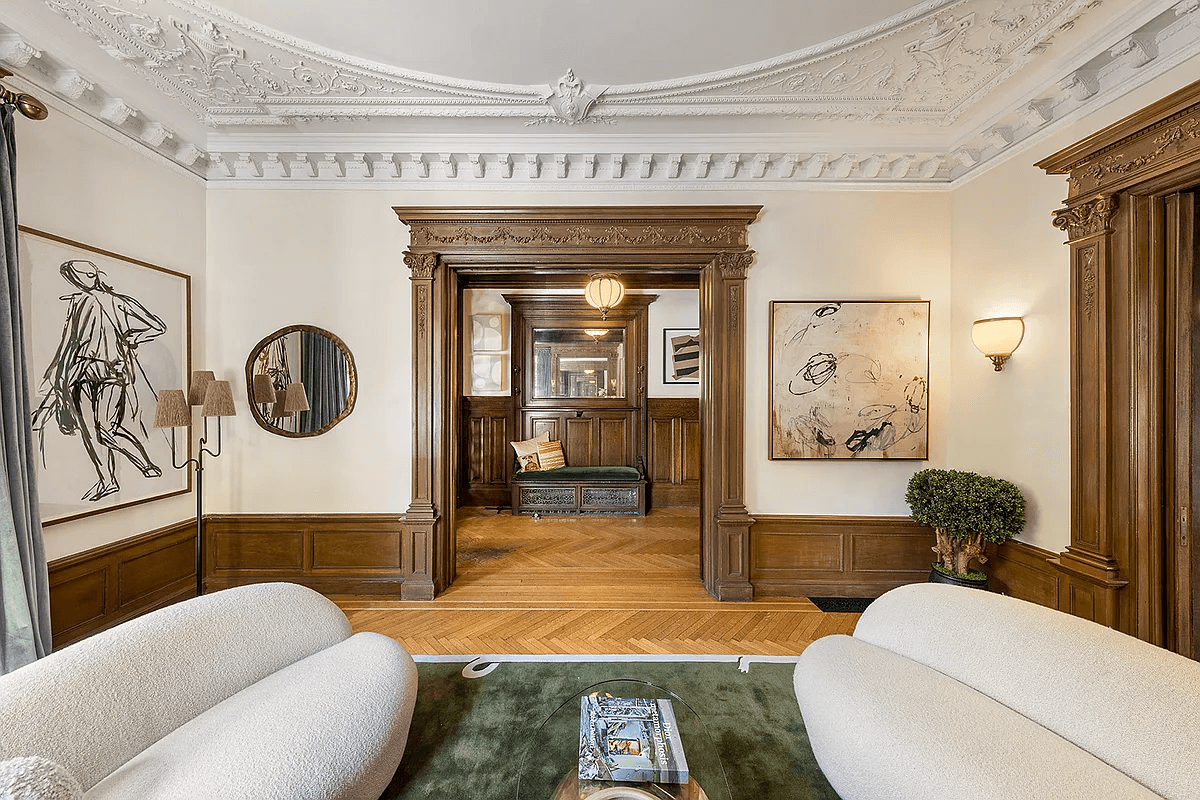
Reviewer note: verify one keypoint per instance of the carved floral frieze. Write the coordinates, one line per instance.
(1140, 153)
(577, 235)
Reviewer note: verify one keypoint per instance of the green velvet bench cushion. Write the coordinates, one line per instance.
(571, 474)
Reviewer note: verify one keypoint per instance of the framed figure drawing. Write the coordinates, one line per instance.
(849, 380)
(681, 355)
(103, 334)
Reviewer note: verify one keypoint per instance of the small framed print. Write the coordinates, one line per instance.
(681, 355)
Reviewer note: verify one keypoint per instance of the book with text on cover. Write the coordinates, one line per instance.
(629, 739)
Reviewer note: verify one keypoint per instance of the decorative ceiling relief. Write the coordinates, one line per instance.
(922, 98)
(927, 65)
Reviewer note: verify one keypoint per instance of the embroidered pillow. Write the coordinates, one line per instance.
(527, 452)
(550, 455)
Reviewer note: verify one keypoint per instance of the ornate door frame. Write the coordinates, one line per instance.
(649, 246)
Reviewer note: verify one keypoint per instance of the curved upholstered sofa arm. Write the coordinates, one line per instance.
(98, 703)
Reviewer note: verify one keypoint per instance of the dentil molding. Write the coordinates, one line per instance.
(255, 89)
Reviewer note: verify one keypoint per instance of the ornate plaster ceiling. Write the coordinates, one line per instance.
(670, 91)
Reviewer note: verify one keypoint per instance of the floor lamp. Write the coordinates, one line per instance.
(174, 410)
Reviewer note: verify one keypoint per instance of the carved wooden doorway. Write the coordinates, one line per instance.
(650, 247)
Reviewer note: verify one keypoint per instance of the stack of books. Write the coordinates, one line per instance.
(629, 739)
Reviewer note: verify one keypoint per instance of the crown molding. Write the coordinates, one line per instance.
(1113, 61)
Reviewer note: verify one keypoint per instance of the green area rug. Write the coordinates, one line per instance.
(470, 736)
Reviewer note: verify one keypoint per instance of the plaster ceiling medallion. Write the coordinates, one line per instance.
(925, 65)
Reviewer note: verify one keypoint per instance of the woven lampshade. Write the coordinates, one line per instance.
(172, 410)
(277, 411)
(295, 399)
(264, 388)
(218, 400)
(603, 291)
(201, 378)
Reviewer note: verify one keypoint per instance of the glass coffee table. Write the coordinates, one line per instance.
(550, 765)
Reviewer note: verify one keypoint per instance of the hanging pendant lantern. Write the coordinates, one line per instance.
(604, 292)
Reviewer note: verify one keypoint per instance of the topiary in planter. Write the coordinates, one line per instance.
(966, 510)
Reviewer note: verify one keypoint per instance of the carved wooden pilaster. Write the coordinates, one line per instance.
(725, 520)
(421, 520)
(1090, 566)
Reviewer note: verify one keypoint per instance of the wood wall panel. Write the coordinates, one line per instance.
(1023, 571)
(674, 451)
(102, 587)
(487, 429)
(811, 556)
(332, 553)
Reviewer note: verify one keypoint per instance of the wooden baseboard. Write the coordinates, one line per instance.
(358, 554)
(105, 586)
(817, 556)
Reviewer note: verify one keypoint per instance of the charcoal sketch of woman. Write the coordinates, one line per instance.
(90, 386)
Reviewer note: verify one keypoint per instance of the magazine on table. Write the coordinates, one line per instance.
(629, 739)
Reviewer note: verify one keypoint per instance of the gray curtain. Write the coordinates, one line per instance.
(326, 378)
(24, 585)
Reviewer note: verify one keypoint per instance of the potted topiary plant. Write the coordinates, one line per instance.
(966, 510)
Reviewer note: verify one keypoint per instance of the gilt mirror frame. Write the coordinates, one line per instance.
(266, 424)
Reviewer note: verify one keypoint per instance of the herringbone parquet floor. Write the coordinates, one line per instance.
(588, 586)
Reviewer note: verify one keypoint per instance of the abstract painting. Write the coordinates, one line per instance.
(681, 355)
(104, 333)
(849, 380)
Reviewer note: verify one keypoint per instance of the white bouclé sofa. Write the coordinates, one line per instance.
(960, 694)
(254, 693)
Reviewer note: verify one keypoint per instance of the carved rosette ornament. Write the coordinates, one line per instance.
(421, 264)
(1088, 219)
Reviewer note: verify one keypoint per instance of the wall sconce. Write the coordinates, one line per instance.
(174, 410)
(998, 337)
(604, 292)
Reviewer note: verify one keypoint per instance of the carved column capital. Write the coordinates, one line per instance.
(421, 264)
(734, 265)
(1087, 219)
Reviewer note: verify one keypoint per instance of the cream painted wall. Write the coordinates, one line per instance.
(333, 259)
(1008, 260)
(80, 184)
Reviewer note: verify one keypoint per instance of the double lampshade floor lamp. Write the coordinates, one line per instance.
(174, 410)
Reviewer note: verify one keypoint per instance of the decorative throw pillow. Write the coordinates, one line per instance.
(37, 778)
(527, 452)
(550, 455)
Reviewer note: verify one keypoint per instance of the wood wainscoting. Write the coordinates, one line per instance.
(358, 554)
(105, 586)
(1023, 571)
(813, 556)
(673, 455)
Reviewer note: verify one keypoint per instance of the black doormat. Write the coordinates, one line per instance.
(842, 605)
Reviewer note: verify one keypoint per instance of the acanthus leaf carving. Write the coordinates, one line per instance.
(421, 264)
(571, 100)
(733, 266)
(1088, 281)
(1087, 219)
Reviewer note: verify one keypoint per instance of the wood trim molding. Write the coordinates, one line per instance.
(108, 585)
(825, 556)
(450, 247)
(357, 554)
(1023, 571)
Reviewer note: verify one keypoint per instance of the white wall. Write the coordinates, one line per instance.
(333, 259)
(77, 183)
(1008, 260)
(674, 308)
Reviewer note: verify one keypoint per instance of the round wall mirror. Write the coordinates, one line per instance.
(301, 381)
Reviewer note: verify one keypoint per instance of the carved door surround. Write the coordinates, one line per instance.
(650, 247)
(1130, 224)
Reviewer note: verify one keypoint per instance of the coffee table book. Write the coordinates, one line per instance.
(629, 739)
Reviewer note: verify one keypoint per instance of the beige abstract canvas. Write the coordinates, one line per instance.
(849, 380)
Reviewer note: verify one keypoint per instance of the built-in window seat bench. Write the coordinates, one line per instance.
(577, 491)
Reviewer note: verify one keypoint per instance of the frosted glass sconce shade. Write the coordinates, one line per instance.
(997, 338)
(218, 400)
(264, 388)
(603, 292)
(172, 410)
(198, 386)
